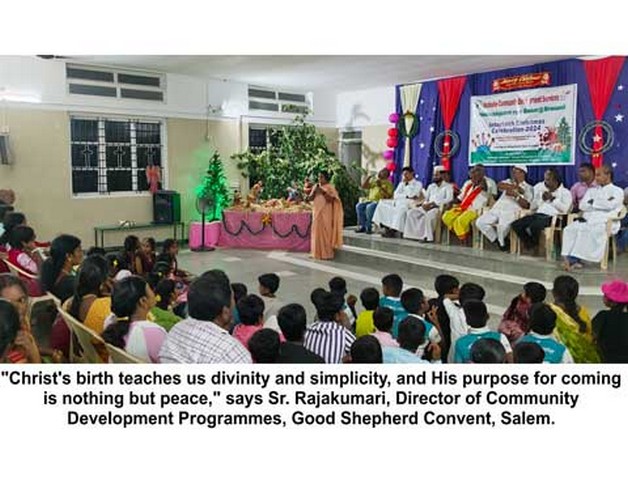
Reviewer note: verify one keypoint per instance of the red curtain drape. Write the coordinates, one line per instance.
(449, 93)
(601, 76)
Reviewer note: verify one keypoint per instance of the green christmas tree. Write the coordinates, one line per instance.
(564, 133)
(214, 190)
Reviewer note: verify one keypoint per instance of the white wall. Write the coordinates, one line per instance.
(186, 97)
(362, 108)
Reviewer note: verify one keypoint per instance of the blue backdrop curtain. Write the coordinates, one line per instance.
(564, 72)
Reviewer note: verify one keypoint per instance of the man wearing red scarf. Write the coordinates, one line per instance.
(473, 196)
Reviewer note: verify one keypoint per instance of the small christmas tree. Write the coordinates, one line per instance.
(214, 191)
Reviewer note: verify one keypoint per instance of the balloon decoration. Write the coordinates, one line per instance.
(392, 141)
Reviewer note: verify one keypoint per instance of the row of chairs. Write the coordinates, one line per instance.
(550, 235)
(88, 339)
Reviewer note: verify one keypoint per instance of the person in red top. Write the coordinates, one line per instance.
(22, 243)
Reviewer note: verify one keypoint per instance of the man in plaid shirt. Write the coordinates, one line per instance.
(203, 337)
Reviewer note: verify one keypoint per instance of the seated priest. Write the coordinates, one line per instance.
(585, 239)
(516, 195)
(379, 188)
(421, 220)
(551, 198)
(474, 194)
(391, 214)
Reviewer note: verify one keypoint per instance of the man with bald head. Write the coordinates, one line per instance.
(585, 238)
(380, 188)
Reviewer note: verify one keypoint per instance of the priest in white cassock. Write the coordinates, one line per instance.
(585, 239)
(391, 214)
(420, 221)
(517, 195)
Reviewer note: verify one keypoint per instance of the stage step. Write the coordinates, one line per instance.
(492, 269)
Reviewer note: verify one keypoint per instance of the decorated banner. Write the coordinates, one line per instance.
(527, 80)
(530, 127)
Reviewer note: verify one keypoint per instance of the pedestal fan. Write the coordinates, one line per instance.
(203, 206)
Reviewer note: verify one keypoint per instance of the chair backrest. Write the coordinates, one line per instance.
(117, 355)
(87, 338)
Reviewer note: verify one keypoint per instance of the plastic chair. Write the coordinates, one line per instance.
(117, 355)
(87, 338)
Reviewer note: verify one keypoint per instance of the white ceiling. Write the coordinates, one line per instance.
(318, 72)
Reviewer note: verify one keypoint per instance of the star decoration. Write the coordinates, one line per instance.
(431, 129)
(434, 109)
(421, 118)
(614, 164)
(619, 117)
(421, 145)
(597, 138)
(620, 88)
(446, 144)
(422, 101)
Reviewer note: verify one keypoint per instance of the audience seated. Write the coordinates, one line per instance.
(585, 239)
(251, 310)
(131, 301)
(378, 189)
(11, 351)
(22, 243)
(264, 346)
(516, 195)
(550, 199)
(528, 352)
(391, 214)
(268, 287)
(165, 299)
(338, 286)
(421, 220)
(487, 350)
(383, 318)
(293, 323)
(57, 272)
(366, 350)
(610, 327)
(586, 175)
(328, 336)
(411, 337)
(542, 325)
(392, 286)
(516, 320)
(365, 325)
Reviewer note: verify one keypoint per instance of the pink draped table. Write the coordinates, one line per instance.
(263, 231)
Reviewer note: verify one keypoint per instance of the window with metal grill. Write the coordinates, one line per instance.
(112, 155)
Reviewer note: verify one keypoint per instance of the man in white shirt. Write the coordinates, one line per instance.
(551, 198)
(420, 221)
(585, 239)
(391, 214)
(490, 183)
(516, 195)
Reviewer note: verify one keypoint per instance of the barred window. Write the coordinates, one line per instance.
(112, 155)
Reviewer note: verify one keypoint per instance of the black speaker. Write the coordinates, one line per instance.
(166, 207)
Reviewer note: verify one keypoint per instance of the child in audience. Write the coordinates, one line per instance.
(392, 285)
(366, 350)
(96, 251)
(383, 319)
(448, 289)
(610, 327)
(411, 336)
(364, 325)
(415, 303)
(22, 242)
(170, 248)
(57, 272)
(293, 322)
(131, 301)
(516, 320)
(118, 267)
(488, 350)
(338, 286)
(528, 352)
(459, 327)
(316, 297)
(264, 346)
(477, 317)
(132, 253)
(147, 254)
(268, 286)
(542, 324)
(165, 298)
(251, 309)
(11, 220)
(239, 292)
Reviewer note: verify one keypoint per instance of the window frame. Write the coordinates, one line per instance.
(102, 153)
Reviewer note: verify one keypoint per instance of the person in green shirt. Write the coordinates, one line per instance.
(379, 188)
(166, 295)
